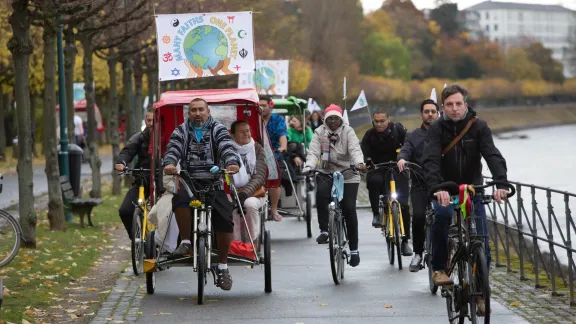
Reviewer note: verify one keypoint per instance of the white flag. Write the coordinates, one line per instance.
(433, 95)
(445, 85)
(361, 102)
(196, 45)
(344, 88)
(345, 117)
(313, 106)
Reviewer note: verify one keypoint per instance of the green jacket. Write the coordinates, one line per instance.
(297, 136)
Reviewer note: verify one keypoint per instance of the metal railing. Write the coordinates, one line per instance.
(522, 228)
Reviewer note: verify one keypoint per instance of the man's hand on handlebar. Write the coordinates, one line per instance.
(170, 169)
(443, 198)
(369, 164)
(401, 165)
(231, 169)
(500, 195)
(360, 167)
(119, 167)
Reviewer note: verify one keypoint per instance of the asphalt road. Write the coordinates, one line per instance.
(9, 195)
(303, 290)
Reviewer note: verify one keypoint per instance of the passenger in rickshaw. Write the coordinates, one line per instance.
(296, 132)
(316, 120)
(249, 181)
(199, 144)
(276, 127)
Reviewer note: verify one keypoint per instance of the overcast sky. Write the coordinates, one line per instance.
(370, 5)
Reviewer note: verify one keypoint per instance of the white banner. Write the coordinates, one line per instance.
(199, 45)
(361, 102)
(271, 77)
(313, 106)
(345, 117)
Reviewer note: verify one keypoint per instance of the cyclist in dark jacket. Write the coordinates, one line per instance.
(137, 146)
(461, 164)
(413, 151)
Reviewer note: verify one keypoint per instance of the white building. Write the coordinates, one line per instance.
(515, 23)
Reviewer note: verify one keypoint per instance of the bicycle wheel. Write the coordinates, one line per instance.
(479, 284)
(309, 213)
(10, 238)
(397, 234)
(267, 262)
(333, 247)
(428, 259)
(452, 294)
(151, 254)
(343, 238)
(201, 269)
(136, 246)
(386, 232)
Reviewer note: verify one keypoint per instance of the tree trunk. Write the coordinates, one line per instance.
(138, 101)
(113, 124)
(95, 162)
(3, 128)
(127, 88)
(70, 53)
(33, 107)
(152, 87)
(55, 205)
(21, 47)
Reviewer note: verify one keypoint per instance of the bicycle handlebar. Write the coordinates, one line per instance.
(351, 168)
(140, 171)
(454, 189)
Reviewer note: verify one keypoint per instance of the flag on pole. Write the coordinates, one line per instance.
(344, 88)
(361, 102)
(196, 45)
(433, 95)
(345, 117)
(313, 106)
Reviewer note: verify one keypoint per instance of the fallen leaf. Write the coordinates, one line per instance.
(139, 313)
(24, 281)
(515, 304)
(124, 278)
(74, 264)
(70, 311)
(322, 304)
(91, 314)
(160, 314)
(212, 300)
(92, 289)
(25, 321)
(29, 312)
(387, 306)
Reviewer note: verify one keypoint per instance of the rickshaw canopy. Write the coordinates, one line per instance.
(289, 106)
(212, 96)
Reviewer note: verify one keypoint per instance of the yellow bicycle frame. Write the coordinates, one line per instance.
(390, 216)
(146, 227)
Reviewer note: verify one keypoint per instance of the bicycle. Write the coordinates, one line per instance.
(466, 254)
(337, 232)
(391, 215)
(10, 238)
(141, 227)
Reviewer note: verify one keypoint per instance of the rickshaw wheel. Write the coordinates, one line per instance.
(150, 254)
(201, 269)
(267, 262)
(309, 213)
(137, 246)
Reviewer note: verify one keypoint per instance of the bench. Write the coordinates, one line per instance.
(78, 205)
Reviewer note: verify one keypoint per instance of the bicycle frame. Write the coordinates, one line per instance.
(393, 198)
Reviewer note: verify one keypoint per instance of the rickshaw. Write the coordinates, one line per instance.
(302, 186)
(226, 106)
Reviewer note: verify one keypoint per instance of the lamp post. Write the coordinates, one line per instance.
(63, 154)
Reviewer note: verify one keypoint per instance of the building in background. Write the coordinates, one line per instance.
(514, 24)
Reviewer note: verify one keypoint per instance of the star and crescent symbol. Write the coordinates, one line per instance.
(242, 33)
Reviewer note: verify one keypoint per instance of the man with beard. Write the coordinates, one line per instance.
(413, 151)
(199, 144)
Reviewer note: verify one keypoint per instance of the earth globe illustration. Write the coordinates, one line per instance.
(78, 94)
(205, 46)
(264, 78)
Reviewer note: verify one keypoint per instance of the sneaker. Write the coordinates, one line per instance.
(406, 249)
(415, 264)
(184, 249)
(377, 221)
(354, 259)
(322, 238)
(224, 280)
(277, 217)
(440, 278)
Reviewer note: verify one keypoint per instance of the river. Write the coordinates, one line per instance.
(545, 157)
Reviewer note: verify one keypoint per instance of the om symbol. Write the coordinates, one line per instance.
(167, 57)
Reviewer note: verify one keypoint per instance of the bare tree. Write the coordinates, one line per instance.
(21, 47)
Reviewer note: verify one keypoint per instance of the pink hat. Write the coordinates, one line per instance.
(332, 110)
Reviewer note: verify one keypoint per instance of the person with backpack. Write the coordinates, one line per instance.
(381, 144)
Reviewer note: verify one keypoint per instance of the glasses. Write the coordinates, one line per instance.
(430, 111)
(332, 118)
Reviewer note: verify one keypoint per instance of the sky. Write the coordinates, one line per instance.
(370, 5)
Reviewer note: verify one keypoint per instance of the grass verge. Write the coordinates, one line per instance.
(36, 278)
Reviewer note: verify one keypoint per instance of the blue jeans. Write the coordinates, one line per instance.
(442, 221)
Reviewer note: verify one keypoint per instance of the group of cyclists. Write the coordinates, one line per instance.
(448, 145)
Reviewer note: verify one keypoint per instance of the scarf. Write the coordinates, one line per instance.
(329, 138)
(248, 156)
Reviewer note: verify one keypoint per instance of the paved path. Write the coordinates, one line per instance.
(303, 291)
(9, 194)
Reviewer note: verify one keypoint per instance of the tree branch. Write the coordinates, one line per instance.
(120, 40)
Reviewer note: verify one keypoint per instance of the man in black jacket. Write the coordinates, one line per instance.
(382, 144)
(412, 151)
(461, 164)
(138, 145)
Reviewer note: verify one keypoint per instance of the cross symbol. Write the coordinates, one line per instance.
(237, 68)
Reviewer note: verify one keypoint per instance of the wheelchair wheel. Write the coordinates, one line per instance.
(137, 246)
(309, 213)
(151, 254)
(201, 269)
(267, 262)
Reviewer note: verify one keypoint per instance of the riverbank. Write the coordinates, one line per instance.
(503, 120)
